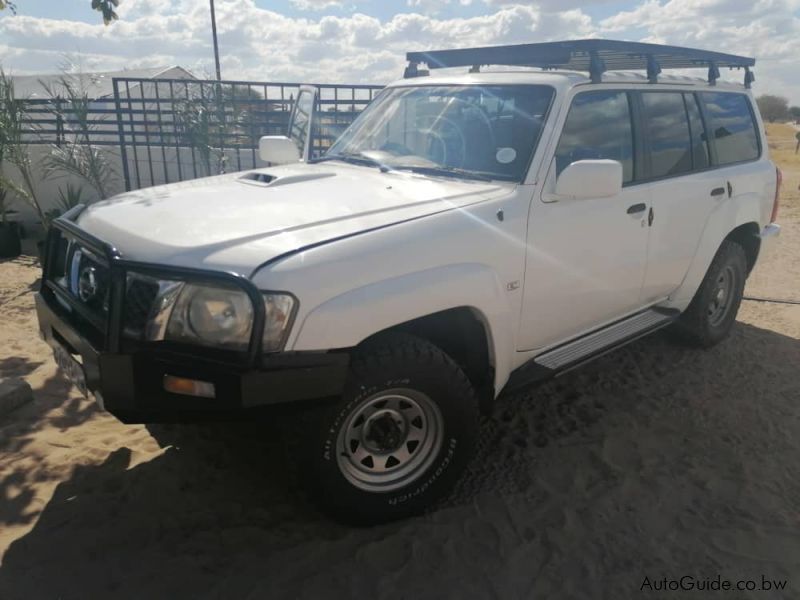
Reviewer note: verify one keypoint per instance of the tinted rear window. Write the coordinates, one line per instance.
(733, 130)
(668, 133)
(598, 126)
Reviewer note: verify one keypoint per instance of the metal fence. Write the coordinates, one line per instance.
(169, 130)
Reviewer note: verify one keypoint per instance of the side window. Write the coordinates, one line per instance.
(733, 130)
(667, 128)
(598, 125)
(699, 138)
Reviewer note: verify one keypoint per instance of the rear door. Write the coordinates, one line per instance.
(725, 150)
(303, 121)
(684, 188)
(737, 149)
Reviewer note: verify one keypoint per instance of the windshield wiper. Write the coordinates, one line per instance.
(447, 172)
(356, 158)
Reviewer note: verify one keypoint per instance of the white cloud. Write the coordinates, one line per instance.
(264, 45)
(315, 4)
(769, 30)
(433, 7)
(267, 45)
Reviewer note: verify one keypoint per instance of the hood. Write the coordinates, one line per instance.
(237, 222)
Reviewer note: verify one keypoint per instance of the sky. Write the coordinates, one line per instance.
(365, 41)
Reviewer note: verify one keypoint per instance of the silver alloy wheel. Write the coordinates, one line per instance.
(389, 440)
(721, 300)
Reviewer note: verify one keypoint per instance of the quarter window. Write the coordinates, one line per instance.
(733, 130)
(668, 134)
(598, 126)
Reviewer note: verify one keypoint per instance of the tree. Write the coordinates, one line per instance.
(773, 108)
(795, 112)
(105, 7)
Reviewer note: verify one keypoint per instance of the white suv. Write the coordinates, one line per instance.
(468, 234)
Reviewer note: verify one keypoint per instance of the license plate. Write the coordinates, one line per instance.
(72, 369)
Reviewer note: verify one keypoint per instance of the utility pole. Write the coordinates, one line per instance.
(216, 46)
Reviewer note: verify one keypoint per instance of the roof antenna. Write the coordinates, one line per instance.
(653, 69)
(749, 77)
(596, 67)
(713, 73)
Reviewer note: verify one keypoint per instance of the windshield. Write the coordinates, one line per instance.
(486, 132)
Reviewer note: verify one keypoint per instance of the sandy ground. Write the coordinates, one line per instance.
(655, 461)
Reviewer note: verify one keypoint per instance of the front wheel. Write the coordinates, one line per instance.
(711, 314)
(399, 438)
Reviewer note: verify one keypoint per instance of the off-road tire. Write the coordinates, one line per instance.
(394, 361)
(695, 327)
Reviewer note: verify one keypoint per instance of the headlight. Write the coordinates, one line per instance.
(220, 316)
(212, 316)
(279, 309)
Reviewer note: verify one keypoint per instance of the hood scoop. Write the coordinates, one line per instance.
(267, 180)
(263, 178)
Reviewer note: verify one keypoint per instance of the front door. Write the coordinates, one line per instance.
(585, 257)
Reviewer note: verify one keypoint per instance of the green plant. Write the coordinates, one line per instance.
(200, 124)
(14, 147)
(773, 108)
(67, 199)
(76, 155)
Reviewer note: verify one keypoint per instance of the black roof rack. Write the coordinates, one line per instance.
(594, 55)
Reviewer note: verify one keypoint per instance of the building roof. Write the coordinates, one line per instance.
(96, 85)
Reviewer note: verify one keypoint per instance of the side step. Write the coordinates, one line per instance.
(592, 345)
(608, 337)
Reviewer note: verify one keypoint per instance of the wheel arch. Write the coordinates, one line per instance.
(434, 304)
(738, 222)
(464, 335)
(747, 236)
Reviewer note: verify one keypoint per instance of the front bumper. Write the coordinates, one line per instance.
(131, 385)
(127, 374)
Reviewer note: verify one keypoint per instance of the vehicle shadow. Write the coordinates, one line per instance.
(220, 514)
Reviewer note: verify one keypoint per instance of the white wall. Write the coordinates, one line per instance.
(47, 188)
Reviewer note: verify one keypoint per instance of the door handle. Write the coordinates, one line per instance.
(637, 208)
(718, 191)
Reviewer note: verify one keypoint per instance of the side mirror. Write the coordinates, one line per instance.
(590, 179)
(278, 150)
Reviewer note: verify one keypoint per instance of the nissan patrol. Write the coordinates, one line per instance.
(469, 233)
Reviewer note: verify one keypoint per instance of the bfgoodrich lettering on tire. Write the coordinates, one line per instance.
(399, 438)
(710, 316)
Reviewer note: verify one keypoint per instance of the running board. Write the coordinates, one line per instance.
(590, 346)
(611, 336)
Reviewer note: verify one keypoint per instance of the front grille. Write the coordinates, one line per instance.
(106, 298)
(139, 299)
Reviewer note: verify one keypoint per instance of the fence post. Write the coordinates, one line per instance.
(123, 153)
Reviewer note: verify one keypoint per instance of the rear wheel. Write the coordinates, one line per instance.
(399, 438)
(711, 314)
